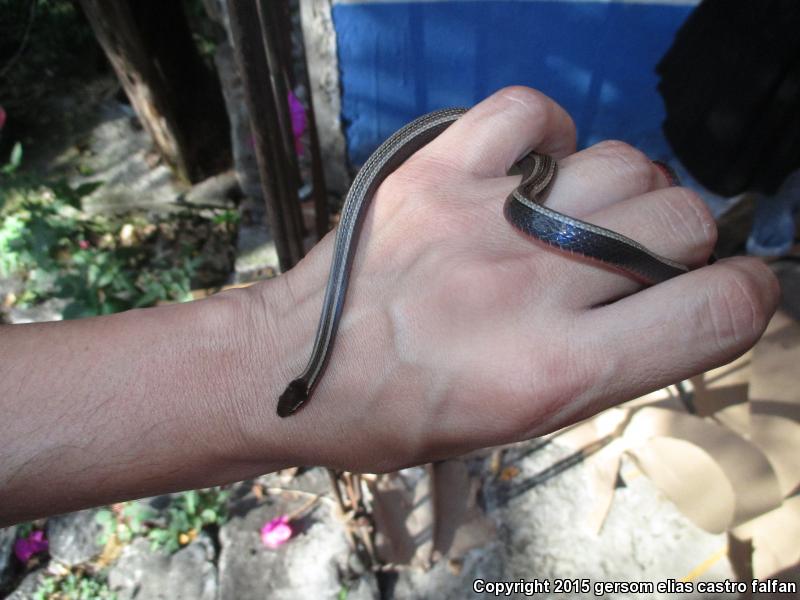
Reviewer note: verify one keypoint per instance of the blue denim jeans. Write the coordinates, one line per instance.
(773, 228)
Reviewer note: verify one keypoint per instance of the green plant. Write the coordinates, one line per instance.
(187, 514)
(133, 520)
(227, 216)
(75, 585)
(34, 228)
(100, 265)
(24, 529)
(100, 282)
(108, 523)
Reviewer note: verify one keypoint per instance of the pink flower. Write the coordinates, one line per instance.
(2, 117)
(83, 244)
(276, 532)
(33, 544)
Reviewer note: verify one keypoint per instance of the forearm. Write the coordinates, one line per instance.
(140, 403)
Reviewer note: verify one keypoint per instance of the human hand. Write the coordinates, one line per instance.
(458, 332)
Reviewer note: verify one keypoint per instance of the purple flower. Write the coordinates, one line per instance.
(298, 116)
(276, 532)
(33, 544)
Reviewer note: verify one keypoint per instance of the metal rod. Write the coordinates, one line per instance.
(269, 13)
(265, 126)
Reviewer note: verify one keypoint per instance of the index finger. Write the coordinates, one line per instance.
(495, 133)
(678, 328)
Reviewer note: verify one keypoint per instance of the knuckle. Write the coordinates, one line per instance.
(688, 217)
(737, 309)
(536, 106)
(528, 97)
(629, 162)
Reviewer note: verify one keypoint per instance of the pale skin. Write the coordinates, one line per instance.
(458, 333)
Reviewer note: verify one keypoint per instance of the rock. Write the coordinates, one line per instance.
(307, 566)
(244, 156)
(442, 583)
(544, 533)
(145, 574)
(7, 536)
(219, 191)
(255, 252)
(27, 589)
(49, 310)
(366, 588)
(118, 156)
(73, 537)
(312, 481)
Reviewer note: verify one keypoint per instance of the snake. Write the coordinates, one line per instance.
(523, 208)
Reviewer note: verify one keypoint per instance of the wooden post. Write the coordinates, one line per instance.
(176, 97)
(319, 41)
(320, 189)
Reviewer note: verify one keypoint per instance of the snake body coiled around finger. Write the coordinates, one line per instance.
(523, 209)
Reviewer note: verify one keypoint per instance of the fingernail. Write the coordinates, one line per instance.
(668, 172)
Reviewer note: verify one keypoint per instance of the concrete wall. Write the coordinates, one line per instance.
(398, 60)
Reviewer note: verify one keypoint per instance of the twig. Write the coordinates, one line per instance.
(280, 490)
(686, 397)
(296, 513)
(337, 493)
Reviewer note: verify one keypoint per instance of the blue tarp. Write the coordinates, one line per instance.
(399, 60)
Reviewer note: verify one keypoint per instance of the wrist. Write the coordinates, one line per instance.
(334, 427)
(268, 328)
(239, 374)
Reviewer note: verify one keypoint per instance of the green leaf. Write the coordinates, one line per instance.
(190, 500)
(180, 521)
(157, 535)
(15, 160)
(208, 515)
(92, 275)
(104, 517)
(78, 310)
(16, 155)
(84, 189)
(124, 533)
(106, 277)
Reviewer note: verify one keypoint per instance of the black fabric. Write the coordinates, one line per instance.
(731, 86)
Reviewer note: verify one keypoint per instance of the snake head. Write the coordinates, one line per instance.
(292, 398)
